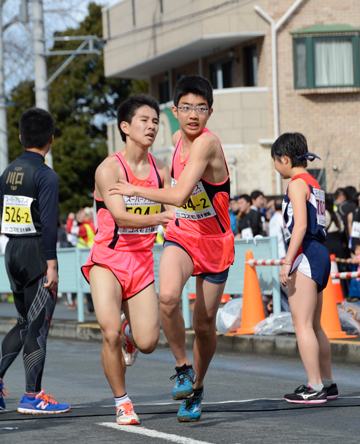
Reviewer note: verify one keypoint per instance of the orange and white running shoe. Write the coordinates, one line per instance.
(125, 414)
(129, 351)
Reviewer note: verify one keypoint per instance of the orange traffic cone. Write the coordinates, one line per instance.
(225, 298)
(253, 308)
(338, 293)
(330, 321)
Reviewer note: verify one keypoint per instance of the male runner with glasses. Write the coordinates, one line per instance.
(198, 241)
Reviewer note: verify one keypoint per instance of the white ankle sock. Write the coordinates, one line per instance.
(317, 387)
(121, 400)
(327, 382)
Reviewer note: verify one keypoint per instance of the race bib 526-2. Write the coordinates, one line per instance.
(16, 217)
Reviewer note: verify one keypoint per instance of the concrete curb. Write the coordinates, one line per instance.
(346, 351)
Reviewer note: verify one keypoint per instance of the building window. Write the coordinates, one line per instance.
(164, 95)
(326, 61)
(320, 176)
(180, 75)
(250, 65)
(221, 74)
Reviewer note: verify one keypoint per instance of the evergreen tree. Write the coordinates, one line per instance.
(81, 99)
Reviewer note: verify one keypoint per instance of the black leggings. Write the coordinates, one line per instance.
(35, 307)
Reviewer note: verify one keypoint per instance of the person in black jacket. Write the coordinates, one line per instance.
(29, 195)
(249, 223)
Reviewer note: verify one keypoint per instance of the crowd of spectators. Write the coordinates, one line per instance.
(253, 215)
(77, 230)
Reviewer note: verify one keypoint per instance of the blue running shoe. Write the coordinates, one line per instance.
(41, 404)
(190, 410)
(185, 378)
(3, 393)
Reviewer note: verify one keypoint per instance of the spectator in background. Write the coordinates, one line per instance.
(257, 204)
(62, 235)
(353, 223)
(233, 212)
(249, 224)
(354, 288)
(334, 228)
(276, 226)
(82, 226)
(346, 207)
(339, 198)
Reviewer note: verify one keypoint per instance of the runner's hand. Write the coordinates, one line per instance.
(53, 279)
(284, 277)
(123, 188)
(166, 217)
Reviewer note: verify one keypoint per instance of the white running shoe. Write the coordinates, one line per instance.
(125, 414)
(129, 351)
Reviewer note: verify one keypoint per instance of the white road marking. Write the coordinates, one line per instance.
(241, 401)
(152, 433)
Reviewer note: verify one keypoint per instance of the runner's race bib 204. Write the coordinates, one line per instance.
(16, 217)
(198, 206)
(139, 205)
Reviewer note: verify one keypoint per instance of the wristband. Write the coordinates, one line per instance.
(287, 263)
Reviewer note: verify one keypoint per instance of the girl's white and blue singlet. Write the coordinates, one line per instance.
(312, 259)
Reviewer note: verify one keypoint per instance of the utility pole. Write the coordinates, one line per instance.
(4, 160)
(41, 81)
(41, 91)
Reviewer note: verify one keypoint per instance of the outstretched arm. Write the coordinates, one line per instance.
(202, 152)
(105, 176)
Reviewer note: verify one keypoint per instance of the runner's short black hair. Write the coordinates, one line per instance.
(36, 126)
(246, 197)
(128, 108)
(194, 85)
(292, 145)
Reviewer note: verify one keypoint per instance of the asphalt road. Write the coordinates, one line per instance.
(73, 374)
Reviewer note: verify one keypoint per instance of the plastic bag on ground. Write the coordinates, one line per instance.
(348, 322)
(228, 318)
(275, 324)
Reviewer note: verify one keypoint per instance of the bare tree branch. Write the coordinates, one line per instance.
(18, 52)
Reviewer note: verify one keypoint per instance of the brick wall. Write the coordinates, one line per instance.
(330, 121)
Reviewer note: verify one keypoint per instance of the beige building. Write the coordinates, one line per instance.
(275, 66)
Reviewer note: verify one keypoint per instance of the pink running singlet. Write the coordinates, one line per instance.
(202, 225)
(126, 252)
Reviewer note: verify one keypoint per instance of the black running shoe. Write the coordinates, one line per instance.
(332, 391)
(306, 395)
